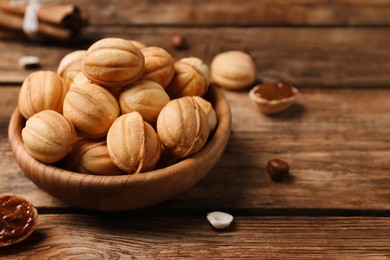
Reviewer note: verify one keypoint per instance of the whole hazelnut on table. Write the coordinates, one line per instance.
(192, 78)
(145, 97)
(183, 127)
(40, 91)
(92, 158)
(48, 136)
(132, 144)
(113, 62)
(70, 65)
(277, 169)
(233, 70)
(179, 42)
(158, 66)
(91, 108)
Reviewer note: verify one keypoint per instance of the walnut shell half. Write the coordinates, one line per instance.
(92, 158)
(40, 91)
(48, 136)
(113, 62)
(192, 78)
(132, 144)
(183, 127)
(91, 108)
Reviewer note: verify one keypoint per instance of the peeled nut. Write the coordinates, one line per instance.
(48, 136)
(18, 219)
(209, 111)
(233, 70)
(41, 90)
(182, 127)
(113, 62)
(146, 97)
(92, 158)
(91, 108)
(219, 220)
(70, 65)
(132, 144)
(192, 78)
(158, 66)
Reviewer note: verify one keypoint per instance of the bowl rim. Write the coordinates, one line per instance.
(220, 136)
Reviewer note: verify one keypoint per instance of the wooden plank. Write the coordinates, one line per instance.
(228, 12)
(304, 56)
(336, 141)
(148, 237)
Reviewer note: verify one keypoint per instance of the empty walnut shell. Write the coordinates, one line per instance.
(113, 62)
(158, 66)
(92, 158)
(91, 108)
(192, 78)
(209, 111)
(132, 144)
(48, 136)
(233, 70)
(278, 96)
(18, 219)
(40, 91)
(182, 127)
(146, 97)
(70, 65)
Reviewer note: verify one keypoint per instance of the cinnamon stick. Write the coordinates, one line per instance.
(15, 23)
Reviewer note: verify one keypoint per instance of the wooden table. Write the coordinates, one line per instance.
(336, 205)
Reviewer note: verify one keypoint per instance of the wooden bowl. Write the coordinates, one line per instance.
(124, 192)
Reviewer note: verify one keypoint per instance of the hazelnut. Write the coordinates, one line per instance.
(92, 158)
(138, 44)
(146, 97)
(209, 111)
(182, 127)
(277, 169)
(40, 91)
(48, 136)
(192, 78)
(91, 108)
(70, 65)
(18, 218)
(113, 62)
(179, 42)
(158, 66)
(132, 144)
(233, 70)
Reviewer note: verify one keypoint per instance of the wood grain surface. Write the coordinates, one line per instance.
(325, 57)
(249, 13)
(336, 202)
(129, 236)
(332, 158)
